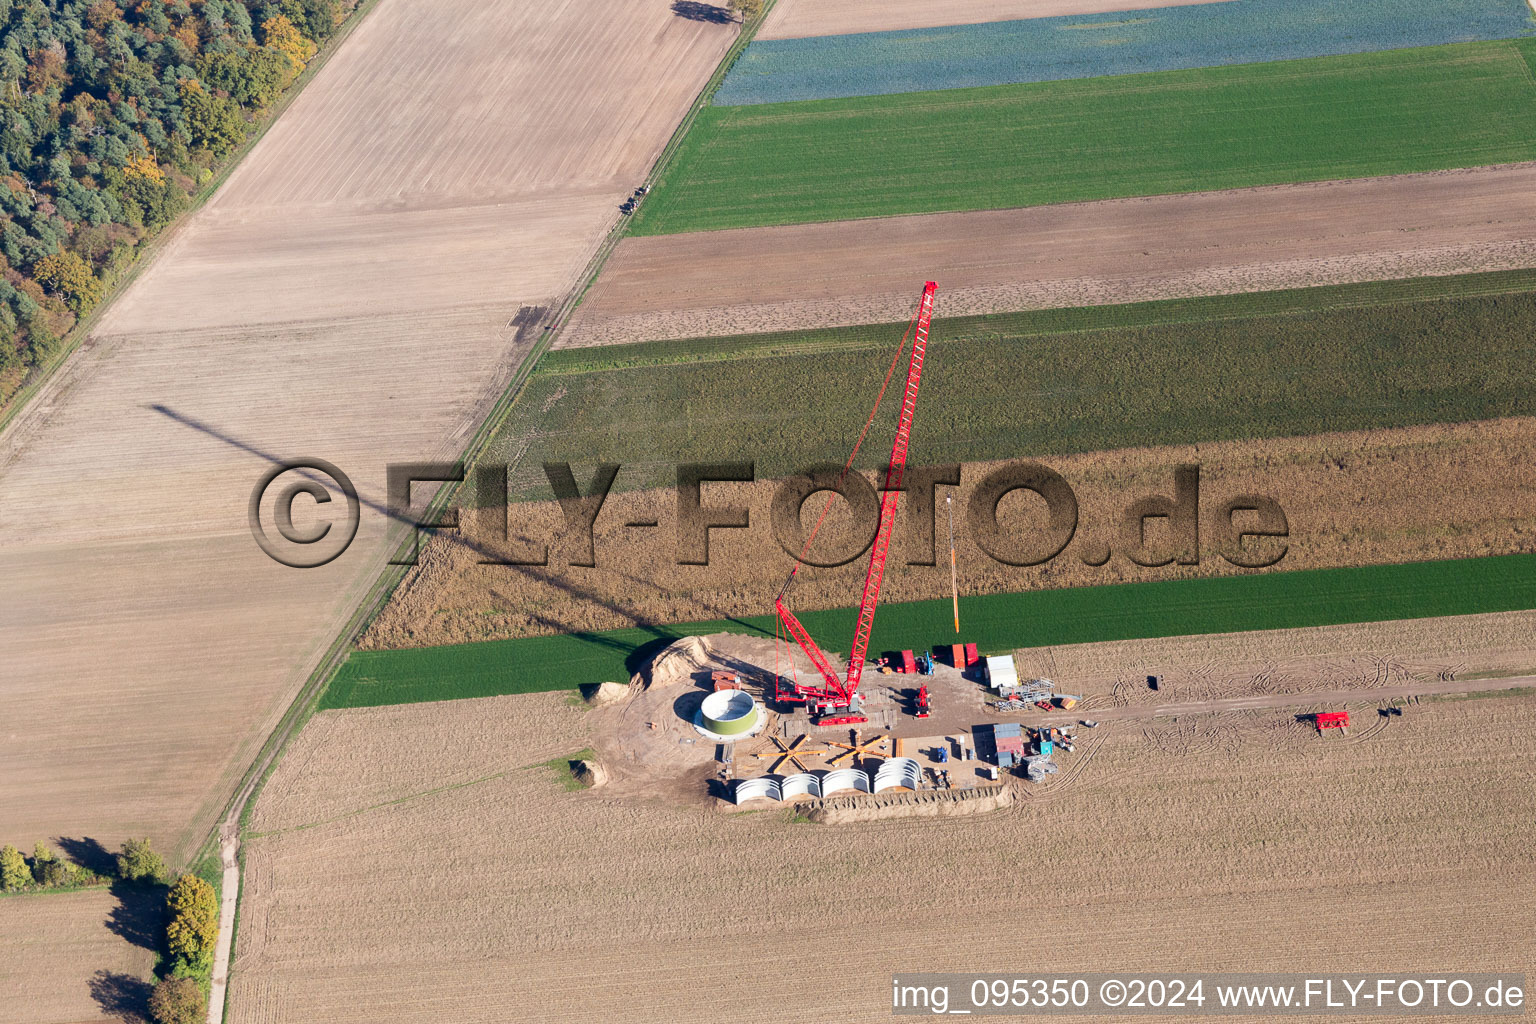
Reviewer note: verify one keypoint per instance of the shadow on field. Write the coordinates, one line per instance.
(121, 996)
(694, 11)
(490, 556)
(139, 916)
(89, 854)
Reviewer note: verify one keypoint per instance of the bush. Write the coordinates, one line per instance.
(47, 869)
(177, 1001)
(138, 862)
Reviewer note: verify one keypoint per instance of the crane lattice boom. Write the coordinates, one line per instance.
(839, 693)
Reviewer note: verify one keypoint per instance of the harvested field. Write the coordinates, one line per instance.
(1235, 842)
(82, 956)
(1350, 499)
(1287, 236)
(1369, 657)
(1358, 115)
(795, 19)
(348, 294)
(1054, 49)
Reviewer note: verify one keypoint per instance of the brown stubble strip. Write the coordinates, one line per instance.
(1361, 498)
(806, 276)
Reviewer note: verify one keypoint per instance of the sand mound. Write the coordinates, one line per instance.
(589, 773)
(599, 694)
(678, 663)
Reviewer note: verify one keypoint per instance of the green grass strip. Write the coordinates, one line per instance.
(996, 622)
(1043, 383)
(1359, 115)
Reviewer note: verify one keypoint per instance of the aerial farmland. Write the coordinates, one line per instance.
(821, 476)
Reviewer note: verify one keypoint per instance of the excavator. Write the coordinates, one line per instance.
(836, 700)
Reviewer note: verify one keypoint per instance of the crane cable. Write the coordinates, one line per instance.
(778, 626)
(848, 466)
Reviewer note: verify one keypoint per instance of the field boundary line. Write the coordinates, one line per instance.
(796, 151)
(43, 376)
(814, 346)
(1263, 303)
(434, 791)
(664, 161)
(1243, 604)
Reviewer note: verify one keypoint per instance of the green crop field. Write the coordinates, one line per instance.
(1042, 383)
(1359, 115)
(995, 622)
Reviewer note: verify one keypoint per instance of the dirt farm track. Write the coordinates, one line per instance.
(347, 295)
(1076, 254)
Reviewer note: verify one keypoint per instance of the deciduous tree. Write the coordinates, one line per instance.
(139, 861)
(47, 868)
(747, 8)
(252, 76)
(281, 35)
(177, 1001)
(194, 926)
(143, 167)
(213, 123)
(67, 274)
(13, 869)
(46, 68)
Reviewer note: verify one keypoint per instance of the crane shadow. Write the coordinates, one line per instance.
(636, 655)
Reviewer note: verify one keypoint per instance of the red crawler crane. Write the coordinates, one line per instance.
(837, 695)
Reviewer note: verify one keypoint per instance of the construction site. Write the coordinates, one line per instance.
(937, 728)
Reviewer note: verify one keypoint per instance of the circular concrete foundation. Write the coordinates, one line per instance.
(729, 713)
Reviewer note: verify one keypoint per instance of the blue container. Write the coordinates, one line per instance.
(1007, 729)
(1005, 759)
(943, 755)
(1046, 747)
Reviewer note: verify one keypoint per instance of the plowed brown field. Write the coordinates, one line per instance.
(1078, 254)
(1415, 494)
(1239, 841)
(346, 295)
(67, 957)
(791, 19)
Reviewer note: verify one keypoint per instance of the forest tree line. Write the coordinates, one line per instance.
(114, 113)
